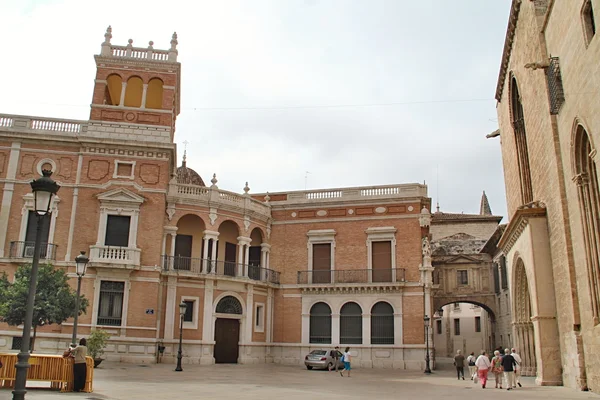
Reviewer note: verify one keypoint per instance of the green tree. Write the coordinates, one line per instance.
(54, 299)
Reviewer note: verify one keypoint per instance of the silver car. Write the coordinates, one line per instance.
(323, 359)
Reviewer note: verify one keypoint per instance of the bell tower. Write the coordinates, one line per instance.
(138, 89)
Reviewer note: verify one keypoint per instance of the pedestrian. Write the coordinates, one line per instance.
(459, 363)
(471, 362)
(79, 366)
(347, 358)
(517, 358)
(483, 367)
(497, 368)
(335, 355)
(508, 364)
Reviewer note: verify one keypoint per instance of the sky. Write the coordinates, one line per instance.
(292, 94)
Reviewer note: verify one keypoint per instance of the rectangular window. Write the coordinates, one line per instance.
(117, 230)
(463, 277)
(456, 327)
(507, 304)
(495, 267)
(439, 327)
(110, 306)
(382, 261)
(124, 169)
(321, 263)
(503, 275)
(189, 311)
(32, 222)
(456, 306)
(259, 318)
(477, 324)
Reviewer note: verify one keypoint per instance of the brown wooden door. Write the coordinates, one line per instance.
(230, 259)
(382, 261)
(183, 252)
(227, 336)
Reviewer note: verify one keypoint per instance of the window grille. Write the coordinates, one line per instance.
(457, 327)
(382, 323)
(229, 305)
(110, 308)
(189, 311)
(320, 323)
(555, 86)
(351, 324)
(17, 342)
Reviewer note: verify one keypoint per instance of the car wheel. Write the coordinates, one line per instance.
(329, 366)
(308, 367)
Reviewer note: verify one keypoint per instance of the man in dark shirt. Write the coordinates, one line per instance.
(335, 355)
(459, 363)
(508, 363)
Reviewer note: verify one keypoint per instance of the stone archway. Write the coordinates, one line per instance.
(524, 331)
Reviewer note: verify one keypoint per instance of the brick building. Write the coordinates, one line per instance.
(548, 104)
(265, 277)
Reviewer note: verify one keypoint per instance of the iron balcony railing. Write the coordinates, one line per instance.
(25, 250)
(352, 276)
(220, 268)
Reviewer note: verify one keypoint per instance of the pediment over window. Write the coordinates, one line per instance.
(463, 259)
(121, 195)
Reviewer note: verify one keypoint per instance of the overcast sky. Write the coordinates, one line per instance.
(356, 92)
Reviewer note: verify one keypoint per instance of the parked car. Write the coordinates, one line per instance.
(322, 359)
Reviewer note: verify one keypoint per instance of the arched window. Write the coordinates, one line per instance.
(351, 324)
(518, 122)
(133, 93)
(320, 323)
(229, 305)
(589, 205)
(382, 323)
(154, 93)
(112, 95)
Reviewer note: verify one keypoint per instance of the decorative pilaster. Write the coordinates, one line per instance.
(123, 89)
(144, 93)
(243, 253)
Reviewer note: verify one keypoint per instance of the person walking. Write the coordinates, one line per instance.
(79, 367)
(517, 358)
(459, 363)
(508, 364)
(497, 368)
(471, 362)
(335, 355)
(483, 367)
(347, 358)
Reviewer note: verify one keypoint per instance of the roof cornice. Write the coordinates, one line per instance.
(518, 223)
(508, 44)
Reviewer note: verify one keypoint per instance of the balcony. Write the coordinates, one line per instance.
(201, 266)
(123, 256)
(25, 250)
(345, 276)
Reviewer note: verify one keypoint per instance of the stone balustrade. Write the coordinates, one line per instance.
(114, 255)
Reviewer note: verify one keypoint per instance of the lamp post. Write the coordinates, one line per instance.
(43, 190)
(182, 308)
(427, 369)
(80, 266)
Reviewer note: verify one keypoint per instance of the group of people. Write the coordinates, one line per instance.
(507, 364)
(78, 353)
(346, 358)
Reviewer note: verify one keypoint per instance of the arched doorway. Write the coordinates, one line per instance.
(227, 330)
(523, 327)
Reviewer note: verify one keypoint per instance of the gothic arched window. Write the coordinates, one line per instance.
(518, 123)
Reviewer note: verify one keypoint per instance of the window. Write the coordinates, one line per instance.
(133, 92)
(154, 95)
(589, 23)
(229, 305)
(586, 179)
(382, 323)
(320, 323)
(321, 266)
(110, 306)
(112, 95)
(382, 261)
(495, 267)
(518, 123)
(503, 274)
(189, 311)
(259, 318)
(477, 324)
(32, 223)
(456, 327)
(457, 306)
(507, 304)
(351, 324)
(124, 169)
(463, 277)
(439, 326)
(117, 230)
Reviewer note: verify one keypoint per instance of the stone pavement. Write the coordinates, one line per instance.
(127, 381)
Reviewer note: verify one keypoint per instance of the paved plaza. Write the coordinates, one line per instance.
(127, 381)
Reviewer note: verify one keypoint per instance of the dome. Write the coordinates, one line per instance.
(188, 176)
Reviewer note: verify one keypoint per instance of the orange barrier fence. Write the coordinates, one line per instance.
(55, 369)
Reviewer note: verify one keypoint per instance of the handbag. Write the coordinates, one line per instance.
(67, 354)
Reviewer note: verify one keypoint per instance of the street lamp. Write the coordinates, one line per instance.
(427, 369)
(182, 309)
(80, 266)
(43, 190)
